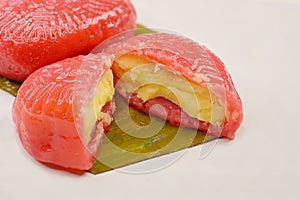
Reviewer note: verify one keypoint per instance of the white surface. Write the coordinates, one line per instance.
(259, 42)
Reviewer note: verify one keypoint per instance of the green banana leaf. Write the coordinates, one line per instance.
(135, 137)
(140, 29)
(9, 86)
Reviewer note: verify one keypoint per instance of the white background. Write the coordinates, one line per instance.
(259, 42)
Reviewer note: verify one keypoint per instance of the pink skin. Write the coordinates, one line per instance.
(35, 33)
(46, 115)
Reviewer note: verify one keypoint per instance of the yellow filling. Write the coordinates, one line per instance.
(103, 94)
(149, 80)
